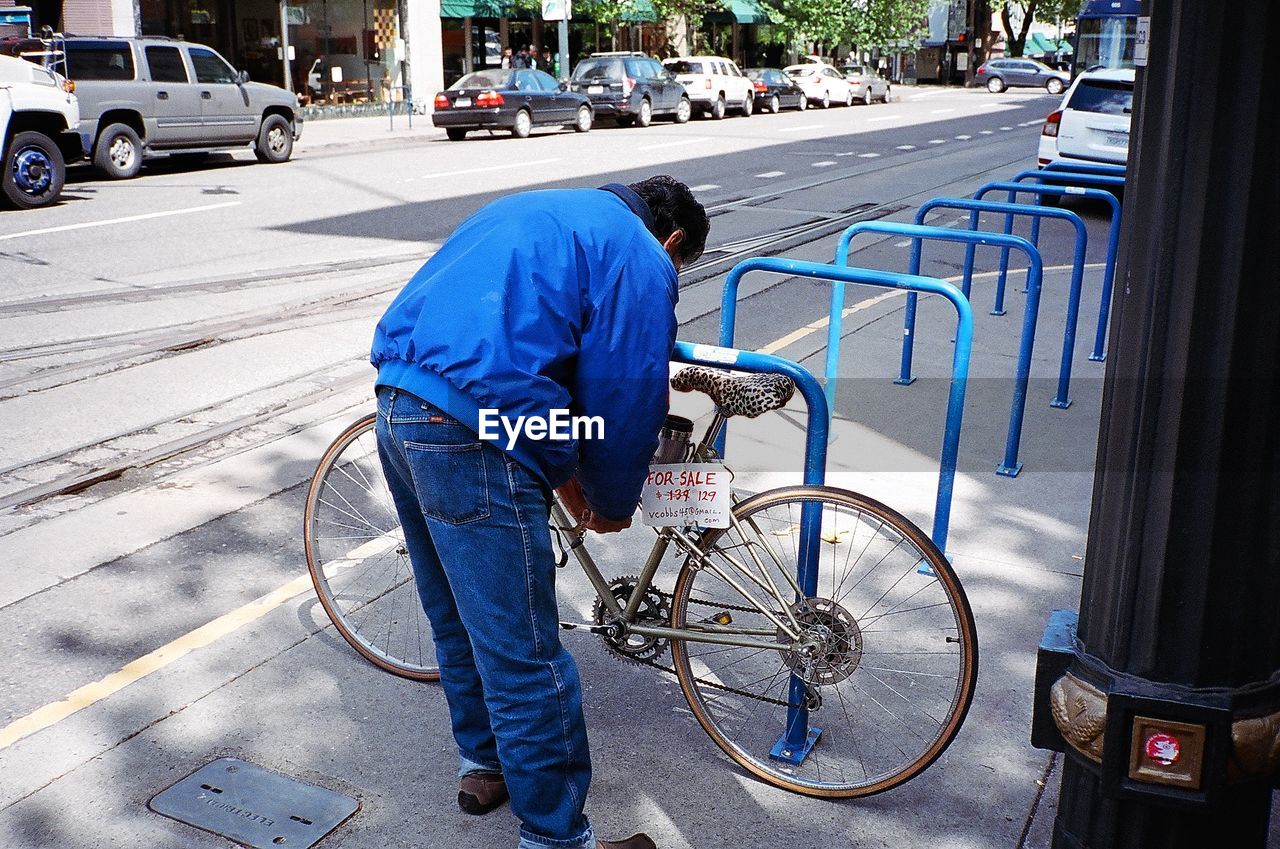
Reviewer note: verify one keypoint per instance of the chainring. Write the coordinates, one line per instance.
(655, 609)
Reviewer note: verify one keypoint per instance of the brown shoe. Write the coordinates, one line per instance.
(635, 841)
(481, 792)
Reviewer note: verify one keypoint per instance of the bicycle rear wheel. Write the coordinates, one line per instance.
(358, 561)
(892, 650)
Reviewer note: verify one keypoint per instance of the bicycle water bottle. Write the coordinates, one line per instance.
(674, 441)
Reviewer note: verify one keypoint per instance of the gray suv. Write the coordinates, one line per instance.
(140, 96)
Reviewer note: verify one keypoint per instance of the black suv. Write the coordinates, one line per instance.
(631, 88)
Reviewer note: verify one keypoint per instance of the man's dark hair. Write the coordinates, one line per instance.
(675, 208)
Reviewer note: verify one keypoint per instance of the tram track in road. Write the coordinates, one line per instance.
(81, 479)
(175, 340)
(291, 275)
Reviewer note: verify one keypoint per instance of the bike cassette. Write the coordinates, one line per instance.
(654, 609)
(830, 645)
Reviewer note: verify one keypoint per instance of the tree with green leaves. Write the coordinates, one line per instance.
(866, 23)
(1046, 11)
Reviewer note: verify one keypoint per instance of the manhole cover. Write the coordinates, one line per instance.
(254, 806)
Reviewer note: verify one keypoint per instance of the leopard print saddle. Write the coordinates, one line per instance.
(747, 395)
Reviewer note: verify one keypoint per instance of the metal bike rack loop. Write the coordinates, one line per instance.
(1102, 169)
(798, 737)
(1015, 187)
(839, 276)
(1063, 399)
(918, 233)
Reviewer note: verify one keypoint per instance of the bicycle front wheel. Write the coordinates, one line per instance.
(358, 561)
(880, 672)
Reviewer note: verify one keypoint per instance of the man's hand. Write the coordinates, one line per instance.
(575, 504)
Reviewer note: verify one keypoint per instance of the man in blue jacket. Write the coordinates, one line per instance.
(541, 306)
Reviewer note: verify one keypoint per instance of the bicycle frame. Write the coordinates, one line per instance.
(704, 632)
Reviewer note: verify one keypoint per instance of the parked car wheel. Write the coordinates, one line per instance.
(583, 124)
(775, 105)
(825, 102)
(684, 111)
(275, 140)
(995, 85)
(748, 106)
(118, 153)
(644, 116)
(885, 99)
(867, 97)
(718, 108)
(456, 133)
(1054, 86)
(804, 103)
(524, 123)
(34, 171)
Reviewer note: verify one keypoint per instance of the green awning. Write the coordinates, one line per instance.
(641, 12)
(739, 11)
(473, 9)
(1039, 44)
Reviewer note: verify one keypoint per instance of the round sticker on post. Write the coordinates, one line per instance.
(1163, 748)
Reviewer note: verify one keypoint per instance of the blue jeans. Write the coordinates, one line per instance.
(475, 524)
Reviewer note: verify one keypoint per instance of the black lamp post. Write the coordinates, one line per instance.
(1167, 699)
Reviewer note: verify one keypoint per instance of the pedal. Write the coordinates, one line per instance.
(610, 630)
(724, 617)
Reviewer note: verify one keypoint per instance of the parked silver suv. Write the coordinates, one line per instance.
(141, 96)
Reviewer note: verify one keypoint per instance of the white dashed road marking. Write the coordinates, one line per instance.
(1006, 129)
(937, 141)
(766, 175)
(987, 132)
(906, 147)
(826, 163)
(963, 138)
(143, 217)
(868, 155)
(705, 187)
(691, 140)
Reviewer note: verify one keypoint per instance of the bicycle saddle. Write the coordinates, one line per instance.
(737, 395)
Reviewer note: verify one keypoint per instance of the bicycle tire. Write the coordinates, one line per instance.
(349, 512)
(842, 673)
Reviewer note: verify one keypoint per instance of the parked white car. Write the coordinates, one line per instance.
(867, 85)
(38, 120)
(822, 84)
(1092, 124)
(714, 84)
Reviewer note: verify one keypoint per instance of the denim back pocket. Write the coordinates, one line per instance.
(450, 480)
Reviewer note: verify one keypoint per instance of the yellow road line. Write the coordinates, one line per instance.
(89, 694)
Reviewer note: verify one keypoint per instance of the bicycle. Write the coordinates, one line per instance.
(880, 654)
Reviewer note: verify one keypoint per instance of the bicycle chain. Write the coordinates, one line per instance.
(713, 684)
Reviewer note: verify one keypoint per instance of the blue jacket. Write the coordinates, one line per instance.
(546, 300)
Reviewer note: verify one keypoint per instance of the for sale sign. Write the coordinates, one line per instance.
(686, 494)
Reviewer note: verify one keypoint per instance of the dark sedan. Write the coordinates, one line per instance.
(515, 100)
(776, 91)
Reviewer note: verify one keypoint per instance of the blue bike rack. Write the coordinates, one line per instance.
(918, 233)
(1113, 239)
(839, 277)
(798, 738)
(1062, 400)
(1102, 169)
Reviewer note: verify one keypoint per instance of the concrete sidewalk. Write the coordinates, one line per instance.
(365, 131)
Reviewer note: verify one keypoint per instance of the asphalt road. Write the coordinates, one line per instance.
(207, 326)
